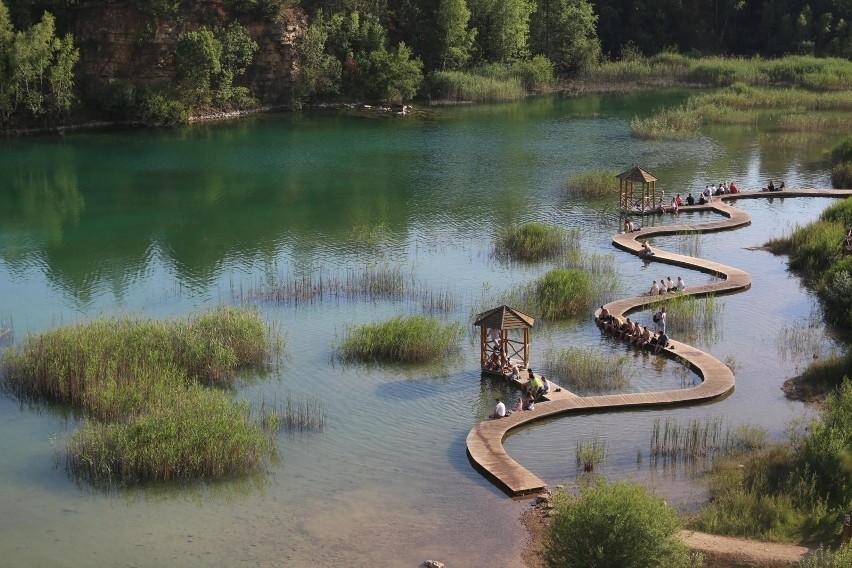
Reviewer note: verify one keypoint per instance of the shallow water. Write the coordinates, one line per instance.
(171, 222)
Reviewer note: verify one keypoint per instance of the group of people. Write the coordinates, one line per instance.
(773, 187)
(667, 285)
(532, 391)
(711, 191)
(636, 334)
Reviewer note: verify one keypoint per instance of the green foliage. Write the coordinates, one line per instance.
(393, 76)
(493, 82)
(589, 453)
(319, 72)
(822, 558)
(841, 175)
(565, 31)
(842, 152)
(502, 28)
(162, 108)
(455, 36)
(563, 293)
(593, 184)
(36, 71)
(613, 525)
(535, 241)
(138, 385)
(401, 339)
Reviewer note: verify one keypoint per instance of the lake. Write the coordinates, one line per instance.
(172, 222)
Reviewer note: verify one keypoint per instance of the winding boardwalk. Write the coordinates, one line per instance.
(485, 440)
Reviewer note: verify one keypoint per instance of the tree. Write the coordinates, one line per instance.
(319, 72)
(503, 28)
(618, 525)
(455, 37)
(395, 75)
(565, 32)
(199, 60)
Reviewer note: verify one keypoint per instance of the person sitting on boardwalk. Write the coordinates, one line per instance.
(719, 190)
(499, 410)
(628, 225)
(545, 386)
(733, 188)
(529, 402)
(636, 337)
(678, 200)
(690, 200)
(674, 205)
(519, 405)
(626, 329)
(681, 285)
(645, 338)
(645, 251)
(662, 343)
(493, 363)
(703, 200)
(663, 287)
(603, 317)
(670, 284)
(655, 289)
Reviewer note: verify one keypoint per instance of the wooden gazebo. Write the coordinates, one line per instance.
(498, 334)
(637, 199)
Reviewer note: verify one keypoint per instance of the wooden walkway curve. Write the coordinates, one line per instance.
(485, 441)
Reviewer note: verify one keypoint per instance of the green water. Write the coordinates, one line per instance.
(165, 223)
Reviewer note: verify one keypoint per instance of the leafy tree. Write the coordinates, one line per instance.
(503, 28)
(319, 72)
(618, 525)
(7, 36)
(564, 31)
(395, 75)
(455, 37)
(199, 60)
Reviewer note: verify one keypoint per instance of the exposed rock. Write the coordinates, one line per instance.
(433, 564)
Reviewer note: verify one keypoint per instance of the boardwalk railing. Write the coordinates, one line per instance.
(485, 440)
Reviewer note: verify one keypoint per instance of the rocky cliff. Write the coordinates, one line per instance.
(120, 41)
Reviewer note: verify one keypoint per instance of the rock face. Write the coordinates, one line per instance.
(119, 41)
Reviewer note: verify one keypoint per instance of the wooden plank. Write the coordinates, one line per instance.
(485, 440)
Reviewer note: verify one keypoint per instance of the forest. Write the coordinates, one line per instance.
(391, 51)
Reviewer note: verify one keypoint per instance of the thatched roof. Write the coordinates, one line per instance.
(636, 174)
(504, 317)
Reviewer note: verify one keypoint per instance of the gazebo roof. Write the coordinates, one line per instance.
(636, 174)
(504, 317)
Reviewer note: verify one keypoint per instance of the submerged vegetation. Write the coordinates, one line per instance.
(536, 241)
(587, 370)
(144, 390)
(402, 339)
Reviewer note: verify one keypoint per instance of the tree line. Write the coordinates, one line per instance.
(391, 50)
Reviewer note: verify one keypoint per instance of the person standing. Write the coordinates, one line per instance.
(663, 320)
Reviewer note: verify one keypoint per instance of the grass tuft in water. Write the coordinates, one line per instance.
(536, 241)
(401, 339)
(590, 453)
(583, 369)
(139, 385)
(692, 317)
(593, 185)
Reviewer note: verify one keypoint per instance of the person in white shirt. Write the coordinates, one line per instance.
(680, 283)
(499, 410)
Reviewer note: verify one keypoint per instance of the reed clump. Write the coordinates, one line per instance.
(142, 388)
(698, 438)
(563, 292)
(587, 370)
(402, 339)
(590, 453)
(536, 241)
(293, 415)
(491, 83)
(688, 316)
(592, 184)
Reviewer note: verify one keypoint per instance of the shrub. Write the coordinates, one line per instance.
(822, 558)
(160, 108)
(842, 152)
(618, 525)
(401, 339)
(841, 175)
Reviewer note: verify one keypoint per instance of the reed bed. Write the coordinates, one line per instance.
(741, 104)
(589, 453)
(369, 236)
(689, 243)
(593, 184)
(535, 241)
(491, 83)
(688, 316)
(698, 438)
(294, 415)
(561, 293)
(801, 341)
(140, 388)
(401, 339)
(587, 370)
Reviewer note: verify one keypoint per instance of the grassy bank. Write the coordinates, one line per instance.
(824, 74)
(491, 83)
(144, 390)
(401, 339)
(782, 108)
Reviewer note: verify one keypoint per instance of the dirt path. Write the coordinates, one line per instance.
(719, 551)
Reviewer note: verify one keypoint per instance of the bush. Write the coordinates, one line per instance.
(841, 176)
(821, 558)
(618, 525)
(842, 152)
(401, 339)
(160, 108)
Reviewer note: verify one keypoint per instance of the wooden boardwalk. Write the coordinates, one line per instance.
(485, 440)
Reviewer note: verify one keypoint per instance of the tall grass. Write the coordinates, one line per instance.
(593, 185)
(401, 339)
(304, 414)
(563, 292)
(689, 243)
(589, 454)
(700, 437)
(688, 316)
(139, 386)
(491, 83)
(741, 104)
(536, 241)
(587, 370)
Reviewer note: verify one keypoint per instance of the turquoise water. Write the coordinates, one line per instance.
(166, 223)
